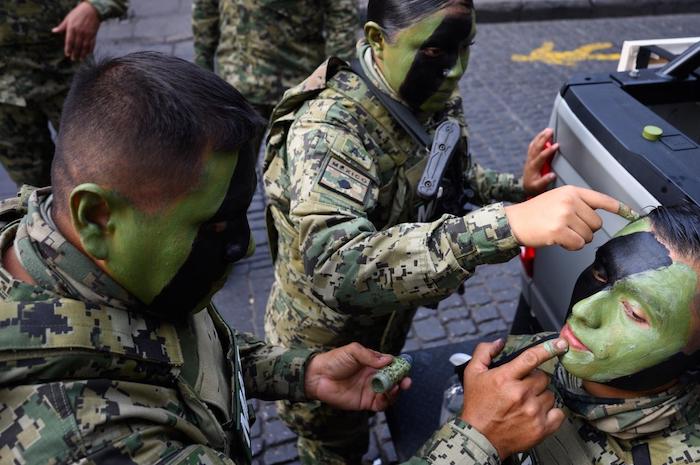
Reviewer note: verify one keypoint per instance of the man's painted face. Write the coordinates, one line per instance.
(631, 309)
(425, 61)
(175, 259)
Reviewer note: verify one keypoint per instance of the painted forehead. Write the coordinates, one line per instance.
(629, 254)
(448, 26)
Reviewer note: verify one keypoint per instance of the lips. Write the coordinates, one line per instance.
(571, 338)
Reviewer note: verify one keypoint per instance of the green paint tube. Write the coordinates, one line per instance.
(384, 379)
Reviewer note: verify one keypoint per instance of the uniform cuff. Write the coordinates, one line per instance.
(480, 447)
(108, 8)
(482, 236)
(458, 442)
(293, 363)
(517, 193)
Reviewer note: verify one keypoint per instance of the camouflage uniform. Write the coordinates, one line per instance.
(34, 80)
(264, 47)
(606, 431)
(351, 262)
(87, 377)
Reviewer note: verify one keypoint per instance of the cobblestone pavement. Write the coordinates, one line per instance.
(506, 103)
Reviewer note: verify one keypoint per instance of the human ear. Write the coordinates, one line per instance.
(90, 214)
(375, 39)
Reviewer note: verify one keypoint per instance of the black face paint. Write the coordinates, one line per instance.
(427, 73)
(222, 240)
(618, 258)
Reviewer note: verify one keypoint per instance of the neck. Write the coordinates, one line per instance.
(605, 391)
(12, 264)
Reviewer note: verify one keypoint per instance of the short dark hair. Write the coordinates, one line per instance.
(394, 15)
(140, 125)
(679, 227)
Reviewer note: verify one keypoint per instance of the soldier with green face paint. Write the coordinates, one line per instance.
(110, 350)
(41, 42)
(629, 382)
(355, 252)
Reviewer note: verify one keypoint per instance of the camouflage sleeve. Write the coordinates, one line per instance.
(205, 28)
(353, 265)
(455, 443)
(341, 23)
(490, 185)
(110, 8)
(272, 372)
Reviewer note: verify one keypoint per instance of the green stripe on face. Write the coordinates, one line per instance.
(426, 60)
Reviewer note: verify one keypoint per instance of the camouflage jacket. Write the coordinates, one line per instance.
(351, 262)
(32, 63)
(86, 378)
(664, 427)
(263, 47)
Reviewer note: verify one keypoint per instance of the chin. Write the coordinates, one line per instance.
(584, 366)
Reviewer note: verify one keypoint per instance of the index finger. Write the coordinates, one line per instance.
(533, 357)
(599, 200)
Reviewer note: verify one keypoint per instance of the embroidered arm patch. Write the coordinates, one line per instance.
(342, 179)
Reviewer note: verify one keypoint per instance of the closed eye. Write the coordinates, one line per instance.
(635, 314)
(600, 275)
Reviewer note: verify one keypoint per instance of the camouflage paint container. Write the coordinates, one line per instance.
(384, 379)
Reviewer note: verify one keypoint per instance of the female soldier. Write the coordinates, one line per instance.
(356, 250)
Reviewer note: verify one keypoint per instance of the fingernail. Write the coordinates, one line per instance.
(562, 345)
(498, 341)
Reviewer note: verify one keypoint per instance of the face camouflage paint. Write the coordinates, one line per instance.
(630, 310)
(425, 61)
(177, 258)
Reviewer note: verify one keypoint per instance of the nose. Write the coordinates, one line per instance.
(588, 311)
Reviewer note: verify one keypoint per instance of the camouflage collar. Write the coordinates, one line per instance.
(57, 266)
(630, 418)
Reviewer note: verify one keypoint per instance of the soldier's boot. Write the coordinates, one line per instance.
(326, 436)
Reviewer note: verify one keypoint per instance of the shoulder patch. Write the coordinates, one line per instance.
(348, 147)
(345, 180)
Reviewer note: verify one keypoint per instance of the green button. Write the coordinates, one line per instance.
(652, 133)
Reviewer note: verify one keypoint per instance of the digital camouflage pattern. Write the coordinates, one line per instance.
(351, 262)
(264, 47)
(604, 431)
(386, 378)
(34, 80)
(86, 376)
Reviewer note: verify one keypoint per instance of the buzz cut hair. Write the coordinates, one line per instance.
(141, 124)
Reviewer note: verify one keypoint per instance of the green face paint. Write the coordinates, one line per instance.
(425, 61)
(641, 321)
(150, 248)
(631, 308)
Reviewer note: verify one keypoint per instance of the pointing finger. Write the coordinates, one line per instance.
(532, 358)
(598, 200)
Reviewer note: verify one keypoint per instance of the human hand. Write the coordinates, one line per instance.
(341, 378)
(565, 216)
(538, 153)
(80, 27)
(511, 405)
